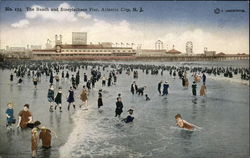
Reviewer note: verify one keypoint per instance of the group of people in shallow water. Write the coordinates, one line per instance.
(52, 70)
(25, 121)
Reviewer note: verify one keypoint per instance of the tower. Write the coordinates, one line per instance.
(189, 48)
(58, 41)
(159, 45)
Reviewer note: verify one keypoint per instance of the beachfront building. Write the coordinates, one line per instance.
(79, 49)
(95, 51)
(79, 38)
(209, 53)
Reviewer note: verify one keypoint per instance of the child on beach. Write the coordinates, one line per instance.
(99, 101)
(84, 97)
(147, 98)
(10, 116)
(58, 99)
(25, 117)
(182, 123)
(129, 118)
(35, 79)
(70, 98)
(45, 136)
(51, 97)
(203, 89)
(119, 106)
(194, 86)
(34, 142)
(165, 88)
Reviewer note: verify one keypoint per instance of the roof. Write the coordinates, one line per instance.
(153, 50)
(221, 53)
(44, 50)
(94, 46)
(173, 51)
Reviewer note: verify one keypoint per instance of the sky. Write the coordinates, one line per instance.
(174, 23)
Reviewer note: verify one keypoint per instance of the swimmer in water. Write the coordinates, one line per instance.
(182, 123)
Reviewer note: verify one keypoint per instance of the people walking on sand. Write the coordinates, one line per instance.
(159, 87)
(25, 117)
(165, 88)
(133, 88)
(194, 87)
(203, 89)
(58, 99)
(51, 97)
(99, 101)
(10, 116)
(84, 98)
(119, 107)
(71, 98)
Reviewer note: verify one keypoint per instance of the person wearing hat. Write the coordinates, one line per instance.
(129, 118)
(165, 88)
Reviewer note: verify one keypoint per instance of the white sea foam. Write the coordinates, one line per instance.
(91, 137)
(235, 79)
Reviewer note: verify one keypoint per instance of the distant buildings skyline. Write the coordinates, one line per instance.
(173, 23)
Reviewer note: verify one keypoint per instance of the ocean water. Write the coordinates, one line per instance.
(222, 115)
